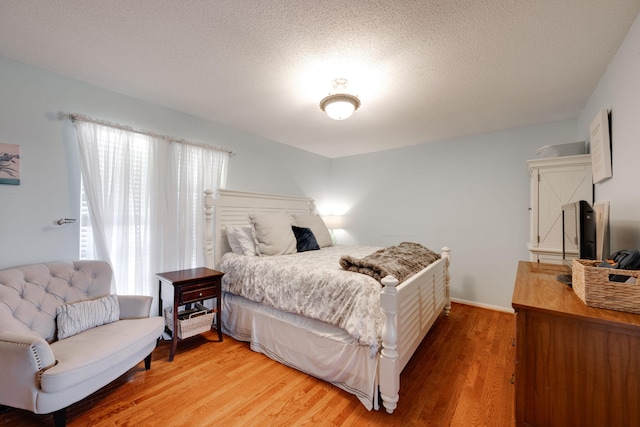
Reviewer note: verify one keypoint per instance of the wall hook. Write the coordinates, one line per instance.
(63, 221)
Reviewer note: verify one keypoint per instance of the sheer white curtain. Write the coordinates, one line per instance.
(144, 198)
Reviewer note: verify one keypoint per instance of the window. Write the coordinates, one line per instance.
(142, 202)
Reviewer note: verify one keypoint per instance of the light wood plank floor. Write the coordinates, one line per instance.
(461, 375)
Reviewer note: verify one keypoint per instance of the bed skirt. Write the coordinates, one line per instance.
(336, 357)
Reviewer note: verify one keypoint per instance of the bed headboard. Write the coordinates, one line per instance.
(233, 208)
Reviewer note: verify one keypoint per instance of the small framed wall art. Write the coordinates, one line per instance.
(600, 147)
(9, 164)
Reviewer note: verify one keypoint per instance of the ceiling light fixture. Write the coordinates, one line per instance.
(339, 105)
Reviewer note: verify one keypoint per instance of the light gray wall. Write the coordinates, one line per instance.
(30, 99)
(470, 194)
(619, 91)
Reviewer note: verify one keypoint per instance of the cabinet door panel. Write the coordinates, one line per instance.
(556, 188)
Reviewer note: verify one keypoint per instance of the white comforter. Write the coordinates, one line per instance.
(314, 285)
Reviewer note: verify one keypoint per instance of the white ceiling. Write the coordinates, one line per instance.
(424, 70)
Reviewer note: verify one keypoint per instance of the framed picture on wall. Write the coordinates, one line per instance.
(600, 147)
(9, 164)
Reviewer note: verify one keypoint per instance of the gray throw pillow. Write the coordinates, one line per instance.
(273, 234)
(82, 315)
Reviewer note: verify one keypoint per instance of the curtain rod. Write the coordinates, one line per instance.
(82, 118)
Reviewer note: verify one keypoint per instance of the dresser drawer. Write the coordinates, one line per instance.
(198, 294)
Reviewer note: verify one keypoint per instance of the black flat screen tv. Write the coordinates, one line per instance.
(578, 234)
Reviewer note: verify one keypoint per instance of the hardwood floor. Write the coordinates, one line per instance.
(461, 375)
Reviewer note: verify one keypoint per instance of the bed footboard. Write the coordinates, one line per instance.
(389, 374)
(410, 310)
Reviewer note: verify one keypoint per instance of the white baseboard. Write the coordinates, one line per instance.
(487, 306)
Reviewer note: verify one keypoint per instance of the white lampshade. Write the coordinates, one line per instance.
(333, 222)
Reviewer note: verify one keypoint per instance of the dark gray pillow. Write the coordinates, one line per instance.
(317, 226)
(305, 240)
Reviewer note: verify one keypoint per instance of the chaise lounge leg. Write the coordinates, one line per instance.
(60, 417)
(147, 362)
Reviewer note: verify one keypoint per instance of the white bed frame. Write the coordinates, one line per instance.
(410, 308)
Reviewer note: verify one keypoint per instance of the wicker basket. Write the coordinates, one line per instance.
(591, 284)
(192, 323)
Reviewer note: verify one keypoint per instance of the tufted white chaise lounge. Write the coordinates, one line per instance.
(43, 374)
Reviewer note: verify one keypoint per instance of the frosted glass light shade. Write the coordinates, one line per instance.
(340, 106)
(339, 110)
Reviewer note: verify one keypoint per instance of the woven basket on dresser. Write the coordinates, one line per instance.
(591, 284)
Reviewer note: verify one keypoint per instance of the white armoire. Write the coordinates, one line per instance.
(555, 182)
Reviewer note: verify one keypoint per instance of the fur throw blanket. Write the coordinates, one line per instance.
(401, 261)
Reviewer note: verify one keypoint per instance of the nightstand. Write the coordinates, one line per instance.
(190, 286)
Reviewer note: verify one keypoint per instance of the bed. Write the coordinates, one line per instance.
(314, 346)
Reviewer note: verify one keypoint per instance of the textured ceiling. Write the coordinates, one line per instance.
(424, 70)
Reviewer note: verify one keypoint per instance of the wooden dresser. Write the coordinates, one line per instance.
(575, 365)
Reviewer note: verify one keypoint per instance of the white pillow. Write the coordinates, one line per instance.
(317, 226)
(241, 239)
(274, 235)
(232, 238)
(82, 315)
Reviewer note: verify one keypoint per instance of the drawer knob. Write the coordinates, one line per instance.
(200, 294)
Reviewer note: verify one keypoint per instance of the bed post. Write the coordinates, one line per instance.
(389, 371)
(446, 254)
(208, 229)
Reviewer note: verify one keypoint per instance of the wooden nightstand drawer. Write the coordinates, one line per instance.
(197, 295)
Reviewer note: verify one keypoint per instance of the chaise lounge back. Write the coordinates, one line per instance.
(64, 336)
